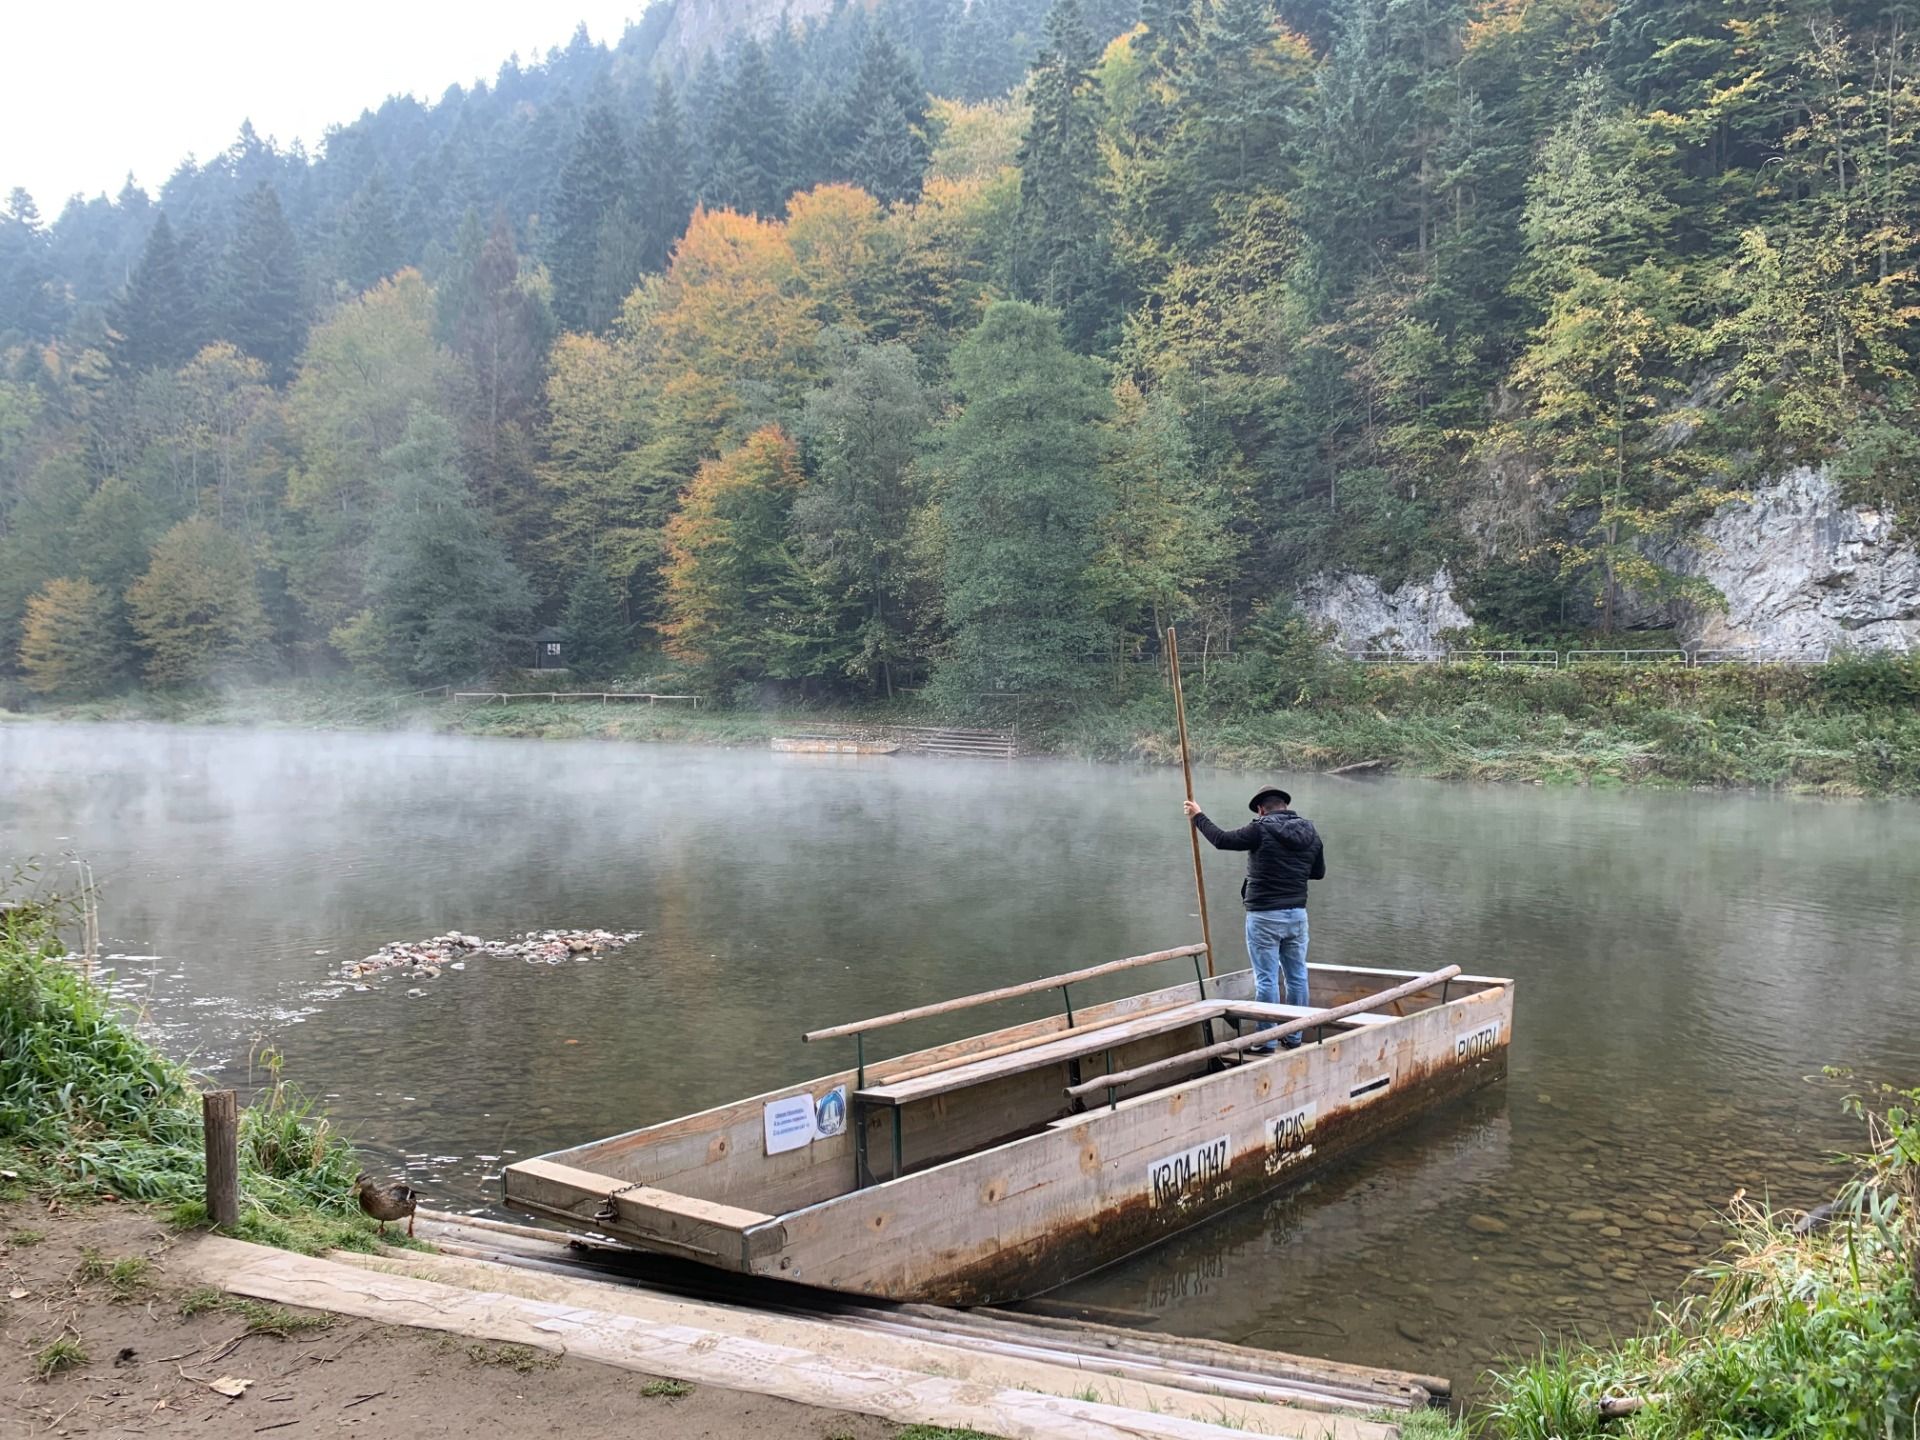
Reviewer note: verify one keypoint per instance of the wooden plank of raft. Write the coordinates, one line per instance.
(1069, 1046)
(681, 1221)
(1005, 992)
(1061, 1029)
(1258, 1010)
(1262, 1037)
(701, 1355)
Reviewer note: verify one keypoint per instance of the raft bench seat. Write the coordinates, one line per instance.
(1075, 1044)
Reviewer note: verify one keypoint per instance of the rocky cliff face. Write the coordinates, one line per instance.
(1410, 620)
(1803, 574)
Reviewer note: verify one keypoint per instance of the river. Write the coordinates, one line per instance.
(1687, 964)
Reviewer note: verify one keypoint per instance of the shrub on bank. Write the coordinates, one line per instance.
(1811, 1331)
(88, 1106)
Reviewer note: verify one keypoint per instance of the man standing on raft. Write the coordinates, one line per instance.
(1286, 854)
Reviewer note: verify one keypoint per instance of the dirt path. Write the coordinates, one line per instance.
(91, 1286)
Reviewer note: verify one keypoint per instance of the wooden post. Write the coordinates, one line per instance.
(221, 1119)
(1186, 767)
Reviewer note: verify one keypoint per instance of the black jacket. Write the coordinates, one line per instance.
(1286, 854)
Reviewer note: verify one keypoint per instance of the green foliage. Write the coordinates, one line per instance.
(598, 638)
(58, 1355)
(1521, 289)
(1020, 526)
(88, 1105)
(197, 609)
(443, 600)
(863, 432)
(158, 320)
(263, 285)
(1062, 255)
(1802, 1335)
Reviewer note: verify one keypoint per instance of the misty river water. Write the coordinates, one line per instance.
(1687, 963)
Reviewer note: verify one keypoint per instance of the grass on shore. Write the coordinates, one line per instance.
(1810, 1333)
(88, 1106)
(1847, 728)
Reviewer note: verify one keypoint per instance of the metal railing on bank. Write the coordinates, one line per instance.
(1630, 659)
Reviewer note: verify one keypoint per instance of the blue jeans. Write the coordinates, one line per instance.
(1277, 943)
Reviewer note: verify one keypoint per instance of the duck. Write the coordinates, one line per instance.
(386, 1202)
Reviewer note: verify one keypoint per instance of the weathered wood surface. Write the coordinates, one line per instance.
(916, 1071)
(1267, 1036)
(723, 1351)
(702, 1229)
(1024, 1216)
(1261, 1010)
(1004, 992)
(719, 1154)
(220, 1124)
(1081, 1041)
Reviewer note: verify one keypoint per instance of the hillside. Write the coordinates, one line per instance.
(924, 344)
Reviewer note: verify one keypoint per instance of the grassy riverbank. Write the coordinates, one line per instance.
(1813, 1334)
(1847, 728)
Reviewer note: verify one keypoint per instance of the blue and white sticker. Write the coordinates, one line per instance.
(830, 1114)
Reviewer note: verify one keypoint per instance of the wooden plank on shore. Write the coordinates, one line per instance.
(731, 1357)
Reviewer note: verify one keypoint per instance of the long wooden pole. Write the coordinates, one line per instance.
(1186, 768)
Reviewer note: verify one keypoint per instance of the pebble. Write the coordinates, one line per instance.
(1486, 1225)
(1586, 1217)
(1410, 1332)
(1612, 1232)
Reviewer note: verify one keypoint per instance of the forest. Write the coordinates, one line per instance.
(959, 348)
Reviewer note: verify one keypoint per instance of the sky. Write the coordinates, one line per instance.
(95, 88)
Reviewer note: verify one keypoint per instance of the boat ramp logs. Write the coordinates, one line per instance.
(428, 959)
(1025, 1377)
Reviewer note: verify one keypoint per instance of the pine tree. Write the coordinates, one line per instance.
(881, 134)
(32, 305)
(1020, 523)
(598, 636)
(370, 248)
(69, 645)
(496, 323)
(594, 180)
(1062, 254)
(156, 322)
(750, 139)
(265, 286)
(443, 600)
(664, 169)
(863, 432)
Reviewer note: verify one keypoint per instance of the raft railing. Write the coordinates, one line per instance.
(1063, 983)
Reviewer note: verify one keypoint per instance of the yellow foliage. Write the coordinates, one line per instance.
(67, 643)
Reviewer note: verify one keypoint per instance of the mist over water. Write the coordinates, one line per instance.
(1685, 962)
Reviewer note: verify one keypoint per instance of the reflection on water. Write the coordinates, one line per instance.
(1684, 962)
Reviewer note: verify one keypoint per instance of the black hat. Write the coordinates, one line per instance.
(1254, 804)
